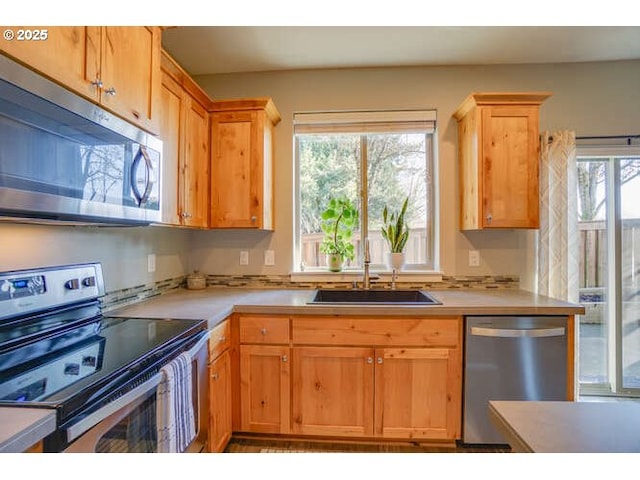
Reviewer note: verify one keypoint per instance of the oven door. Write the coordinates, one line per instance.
(128, 424)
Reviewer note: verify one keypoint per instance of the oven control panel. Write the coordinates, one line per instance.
(22, 287)
(25, 291)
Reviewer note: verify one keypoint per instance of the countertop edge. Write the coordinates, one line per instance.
(24, 438)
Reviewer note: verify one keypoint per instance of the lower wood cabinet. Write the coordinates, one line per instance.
(220, 387)
(264, 388)
(352, 377)
(333, 391)
(220, 402)
(418, 393)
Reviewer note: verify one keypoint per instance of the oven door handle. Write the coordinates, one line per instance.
(140, 392)
(136, 395)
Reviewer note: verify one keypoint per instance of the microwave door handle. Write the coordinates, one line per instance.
(142, 198)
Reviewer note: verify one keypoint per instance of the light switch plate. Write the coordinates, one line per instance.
(244, 257)
(151, 263)
(269, 257)
(474, 258)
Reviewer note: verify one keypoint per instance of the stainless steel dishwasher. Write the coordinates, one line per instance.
(510, 358)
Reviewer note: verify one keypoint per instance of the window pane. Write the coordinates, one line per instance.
(593, 329)
(630, 264)
(397, 168)
(329, 166)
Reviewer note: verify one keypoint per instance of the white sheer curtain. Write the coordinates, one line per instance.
(558, 235)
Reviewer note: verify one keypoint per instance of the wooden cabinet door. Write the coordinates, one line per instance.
(510, 159)
(130, 74)
(194, 168)
(220, 402)
(171, 134)
(418, 393)
(68, 55)
(333, 391)
(264, 389)
(236, 176)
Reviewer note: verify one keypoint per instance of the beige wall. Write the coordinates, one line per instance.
(121, 250)
(592, 99)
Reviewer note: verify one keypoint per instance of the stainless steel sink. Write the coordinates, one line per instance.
(373, 297)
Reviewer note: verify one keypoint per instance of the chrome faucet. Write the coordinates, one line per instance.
(366, 282)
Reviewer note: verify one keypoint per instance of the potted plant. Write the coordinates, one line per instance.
(338, 222)
(396, 232)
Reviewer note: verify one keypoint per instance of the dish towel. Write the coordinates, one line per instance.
(175, 419)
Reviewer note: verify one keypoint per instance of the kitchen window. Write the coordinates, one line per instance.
(609, 269)
(373, 158)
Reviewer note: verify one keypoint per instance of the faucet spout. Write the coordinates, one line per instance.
(366, 281)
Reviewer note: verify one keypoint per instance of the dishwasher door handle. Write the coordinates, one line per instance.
(517, 333)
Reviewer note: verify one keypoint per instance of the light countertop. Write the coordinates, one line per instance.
(216, 303)
(23, 427)
(568, 427)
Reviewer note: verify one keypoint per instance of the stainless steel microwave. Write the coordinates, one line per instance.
(63, 158)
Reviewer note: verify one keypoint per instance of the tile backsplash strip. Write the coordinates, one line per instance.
(129, 296)
(283, 281)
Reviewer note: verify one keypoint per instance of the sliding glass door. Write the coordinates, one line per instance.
(609, 228)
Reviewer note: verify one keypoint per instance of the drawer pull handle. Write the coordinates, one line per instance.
(263, 331)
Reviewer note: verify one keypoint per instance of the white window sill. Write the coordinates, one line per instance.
(324, 276)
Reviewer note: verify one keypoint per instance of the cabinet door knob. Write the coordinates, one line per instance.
(369, 360)
(284, 358)
(222, 338)
(263, 331)
(254, 218)
(110, 91)
(380, 360)
(97, 83)
(215, 376)
(489, 218)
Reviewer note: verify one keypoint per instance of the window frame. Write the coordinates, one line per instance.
(611, 156)
(379, 122)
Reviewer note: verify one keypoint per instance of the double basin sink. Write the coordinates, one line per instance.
(373, 297)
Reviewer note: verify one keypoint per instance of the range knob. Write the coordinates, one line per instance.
(89, 281)
(72, 284)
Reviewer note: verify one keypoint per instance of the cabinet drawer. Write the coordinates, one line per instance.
(424, 332)
(219, 340)
(264, 329)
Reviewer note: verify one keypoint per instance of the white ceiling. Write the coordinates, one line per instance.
(227, 49)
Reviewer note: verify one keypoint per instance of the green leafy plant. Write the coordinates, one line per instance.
(339, 220)
(395, 229)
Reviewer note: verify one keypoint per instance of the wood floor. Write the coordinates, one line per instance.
(261, 445)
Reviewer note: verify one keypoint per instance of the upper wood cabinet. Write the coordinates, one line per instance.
(242, 163)
(117, 67)
(184, 130)
(498, 136)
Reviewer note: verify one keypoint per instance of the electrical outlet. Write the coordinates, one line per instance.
(269, 257)
(151, 262)
(474, 258)
(244, 257)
